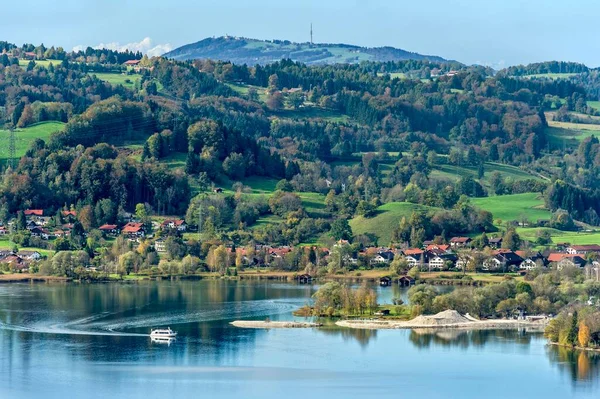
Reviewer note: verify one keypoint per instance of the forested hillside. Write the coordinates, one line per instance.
(287, 153)
(241, 51)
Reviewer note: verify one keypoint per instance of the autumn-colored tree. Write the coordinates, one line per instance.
(584, 335)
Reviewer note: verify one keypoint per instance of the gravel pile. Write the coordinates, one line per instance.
(443, 318)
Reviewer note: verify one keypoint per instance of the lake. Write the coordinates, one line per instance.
(91, 341)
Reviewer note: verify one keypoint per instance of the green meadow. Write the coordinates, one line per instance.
(24, 137)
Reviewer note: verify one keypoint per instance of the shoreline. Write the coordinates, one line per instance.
(273, 324)
(407, 325)
(372, 276)
(448, 319)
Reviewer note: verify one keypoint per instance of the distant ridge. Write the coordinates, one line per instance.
(240, 50)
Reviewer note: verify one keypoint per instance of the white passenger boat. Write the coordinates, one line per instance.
(163, 333)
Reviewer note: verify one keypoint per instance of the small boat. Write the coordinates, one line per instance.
(163, 333)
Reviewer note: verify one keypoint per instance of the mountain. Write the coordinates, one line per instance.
(252, 51)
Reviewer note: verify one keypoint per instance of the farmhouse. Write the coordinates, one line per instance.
(583, 249)
(502, 260)
(134, 230)
(178, 224)
(495, 242)
(571, 261)
(29, 255)
(131, 62)
(3, 231)
(442, 261)
(460, 242)
(109, 229)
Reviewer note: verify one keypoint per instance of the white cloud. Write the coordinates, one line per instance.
(145, 46)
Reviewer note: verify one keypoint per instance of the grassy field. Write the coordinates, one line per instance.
(243, 90)
(127, 81)
(456, 172)
(550, 75)
(594, 104)
(567, 134)
(44, 63)
(572, 237)
(512, 207)
(386, 220)
(24, 137)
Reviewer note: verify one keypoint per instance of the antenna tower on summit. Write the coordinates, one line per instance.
(311, 34)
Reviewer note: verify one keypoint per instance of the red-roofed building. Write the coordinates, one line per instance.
(131, 62)
(110, 229)
(69, 213)
(459, 242)
(133, 229)
(33, 212)
(442, 247)
(583, 249)
(3, 231)
(178, 224)
(413, 251)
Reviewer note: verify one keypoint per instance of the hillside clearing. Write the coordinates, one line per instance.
(387, 219)
(514, 207)
(24, 137)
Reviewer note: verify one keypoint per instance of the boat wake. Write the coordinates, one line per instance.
(107, 324)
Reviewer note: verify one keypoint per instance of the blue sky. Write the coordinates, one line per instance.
(496, 33)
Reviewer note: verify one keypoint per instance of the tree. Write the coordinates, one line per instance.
(507, 306)
(414, 272)
(296, 99)
(341, 230)
(584, 336)
(275, 100)
(572, 336)
(399, 266)
(235, 166)
(26, 118)
(284, 185)
(21, 221)
(511, 240)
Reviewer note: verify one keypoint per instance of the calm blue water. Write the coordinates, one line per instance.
(88, 341)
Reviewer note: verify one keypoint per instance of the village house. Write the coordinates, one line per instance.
(109, 229)
(460, 242)
(134, 230)
(503, 260)
(437, 248)
(562, 260)
(178, 224)
(131, 63)
(40, 232)
(442, 261)
(583, 249)
(463, 261)
(30, 255)
(3, 231)
(531, 261)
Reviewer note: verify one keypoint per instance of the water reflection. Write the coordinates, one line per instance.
(578, 365)
(429, 338)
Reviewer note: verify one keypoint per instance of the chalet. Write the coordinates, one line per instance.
(133, 230)
(570, 261)
(279, 253)
(61, 233)
(583, 249)
(437, 247)
(304, 279)
(40, 232)
(109, 229)
(131, 62)
(495, 242)
(442, 261)
(159, 246)
(178, 224)
(3, 231)
(460, 242)
(385, 281)
(463, 261)
(503, 261)
(415, 260)
(12, 260)
(69, 216)
(532, 261)
(29, 255)
(33, 212)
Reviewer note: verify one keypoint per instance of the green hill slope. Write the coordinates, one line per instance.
(253, 51)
